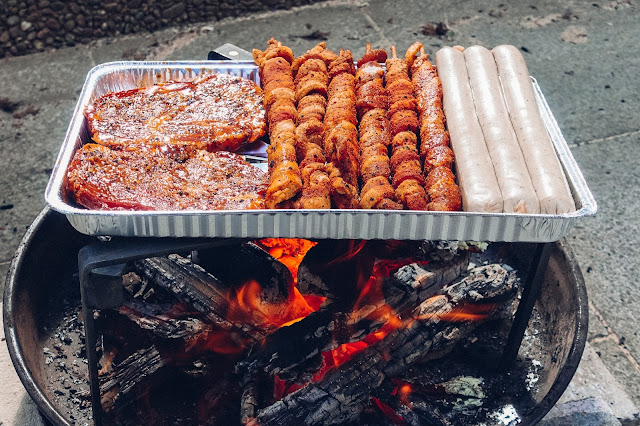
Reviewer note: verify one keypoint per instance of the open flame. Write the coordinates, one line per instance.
(249, 304)
(289, 251)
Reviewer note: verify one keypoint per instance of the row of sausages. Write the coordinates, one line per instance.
(355, 134)
(505, 160)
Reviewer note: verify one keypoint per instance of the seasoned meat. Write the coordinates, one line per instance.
(312, 84)
(372, 102)
(215, 112)
(285, 181)
(405, 162)
(444, 193)
(163, 179)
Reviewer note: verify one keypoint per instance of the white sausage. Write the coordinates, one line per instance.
(544, 168)
(476, 176)
(511, 170)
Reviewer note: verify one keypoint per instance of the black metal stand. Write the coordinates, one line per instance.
(530, 294)
(101, 266)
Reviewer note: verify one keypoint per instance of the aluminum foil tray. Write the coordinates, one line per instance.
(312, 224)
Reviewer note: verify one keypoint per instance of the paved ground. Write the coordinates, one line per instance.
(585, 56)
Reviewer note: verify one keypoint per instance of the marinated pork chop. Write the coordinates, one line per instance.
(163, 179)
(216, 112)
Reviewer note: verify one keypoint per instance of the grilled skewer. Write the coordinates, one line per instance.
(341, 136)
(285, 181)
(437, 157)
(375, 132)
(408, 180)
(312, 81)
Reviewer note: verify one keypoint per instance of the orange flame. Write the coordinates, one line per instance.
(466, 312)
(354, 249)
(371, 293)
(248, 305)
(289, 251)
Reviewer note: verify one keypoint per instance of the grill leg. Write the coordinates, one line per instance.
(101, 286)
(91, 341)
(525, 307)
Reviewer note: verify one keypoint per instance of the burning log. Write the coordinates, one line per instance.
(245, 312)
(453, 314)
(195, 287)
(285, 350)
(219, 323)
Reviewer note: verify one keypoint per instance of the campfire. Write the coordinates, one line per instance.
(291, 331)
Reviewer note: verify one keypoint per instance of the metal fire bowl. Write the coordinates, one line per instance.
(48, 253)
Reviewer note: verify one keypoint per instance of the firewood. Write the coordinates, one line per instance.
(118, 385)
(199, 290)
(163, 323)
(339, 395)
(286, 349)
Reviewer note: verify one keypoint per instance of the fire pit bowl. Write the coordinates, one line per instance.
(46, 261)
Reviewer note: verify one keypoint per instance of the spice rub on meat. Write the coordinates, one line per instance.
(216, 112)
(161, 178)
(437, 156)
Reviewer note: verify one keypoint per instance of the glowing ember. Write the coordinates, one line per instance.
(249, 304)
(354, 249)
(402, 391)
(389, 412)
(289, 251)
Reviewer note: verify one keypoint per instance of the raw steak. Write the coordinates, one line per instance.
(216, 112)
(163, 179)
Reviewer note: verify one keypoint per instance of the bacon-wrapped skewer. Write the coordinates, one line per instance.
(408, 180)
(319, 51)
(277, 81)
(312, 81)
(341, 134)
(375, 132)
(444, 193)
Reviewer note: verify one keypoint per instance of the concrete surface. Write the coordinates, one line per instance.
(585, 56)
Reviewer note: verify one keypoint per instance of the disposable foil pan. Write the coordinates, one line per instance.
(313, 224)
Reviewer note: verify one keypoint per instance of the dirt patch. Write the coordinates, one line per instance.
(575, 35)
(533, 22)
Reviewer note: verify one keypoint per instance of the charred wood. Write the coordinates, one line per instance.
(234, 265)
(162, 321)
(199, 290)
(255, 387)
(339, 395)
(119, 384)
(285, 350)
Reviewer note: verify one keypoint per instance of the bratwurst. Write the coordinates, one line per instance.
(475, 172)
(544, 167)
(511, 170)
